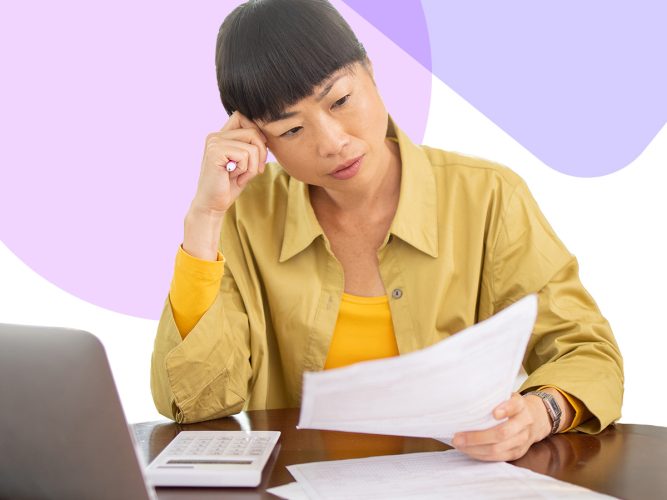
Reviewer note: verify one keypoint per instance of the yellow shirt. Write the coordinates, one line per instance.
(363, 331)
(467, 227)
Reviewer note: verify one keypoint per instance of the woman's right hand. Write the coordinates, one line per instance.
(240, 140)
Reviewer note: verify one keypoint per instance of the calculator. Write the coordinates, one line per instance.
(213, 458)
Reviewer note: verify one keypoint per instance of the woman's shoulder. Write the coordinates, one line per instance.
(450, 165)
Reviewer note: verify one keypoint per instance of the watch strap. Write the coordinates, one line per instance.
(552, 407)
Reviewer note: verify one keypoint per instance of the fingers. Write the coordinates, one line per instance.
(509, 408)
(510, 449)
(498, 434)
(248, 151)
(251, 137)
(239, 121)
(501, 432)
(241, 141)
(247, 161)
(508, 440)
(241, 129)
(233, 122)
(247, 123)
(512, 410)
(238, 154)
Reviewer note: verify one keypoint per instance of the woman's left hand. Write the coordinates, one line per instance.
(527, 422)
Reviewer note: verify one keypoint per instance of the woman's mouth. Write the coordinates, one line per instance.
(348, 170)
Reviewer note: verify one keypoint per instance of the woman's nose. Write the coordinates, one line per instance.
(331, 140)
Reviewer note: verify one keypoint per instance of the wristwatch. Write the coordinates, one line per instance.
(553, 409)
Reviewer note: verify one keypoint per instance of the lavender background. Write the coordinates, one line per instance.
(579, 84)
(105, 108)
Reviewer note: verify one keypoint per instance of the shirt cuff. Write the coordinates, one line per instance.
(184, 259)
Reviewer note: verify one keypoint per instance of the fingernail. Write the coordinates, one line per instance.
(501, 413)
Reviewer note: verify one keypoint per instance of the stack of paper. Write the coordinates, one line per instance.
(433, 475)
(452, 386)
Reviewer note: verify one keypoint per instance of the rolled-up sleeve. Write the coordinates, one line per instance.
(207, 374)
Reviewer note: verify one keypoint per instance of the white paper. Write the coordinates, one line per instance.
(452, 386)
(433, 475)
(289, 491)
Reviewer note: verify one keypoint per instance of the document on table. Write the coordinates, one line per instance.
(431, 475)
(450, 387)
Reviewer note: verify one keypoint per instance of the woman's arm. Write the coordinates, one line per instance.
(572, 348)
(208, 374)
(201, 360)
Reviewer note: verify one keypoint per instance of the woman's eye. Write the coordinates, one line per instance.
(291, 132)
(341, 101)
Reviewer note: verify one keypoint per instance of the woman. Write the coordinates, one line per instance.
(358, 245)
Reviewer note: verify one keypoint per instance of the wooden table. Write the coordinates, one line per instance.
(626, 461)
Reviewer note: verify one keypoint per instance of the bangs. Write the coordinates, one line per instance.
(270, 54)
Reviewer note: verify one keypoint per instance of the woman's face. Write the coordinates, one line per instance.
(344, 119)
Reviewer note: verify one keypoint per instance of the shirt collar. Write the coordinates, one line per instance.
(301, 225)
(415, 221)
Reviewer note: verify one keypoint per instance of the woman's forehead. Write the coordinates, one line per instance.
(319, 92)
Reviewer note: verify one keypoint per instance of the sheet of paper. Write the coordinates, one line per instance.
(289, 491)
(446, 388)
(433, 475)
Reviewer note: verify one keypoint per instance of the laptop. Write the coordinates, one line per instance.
(63, 433)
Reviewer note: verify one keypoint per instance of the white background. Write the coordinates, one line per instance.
(614, 225)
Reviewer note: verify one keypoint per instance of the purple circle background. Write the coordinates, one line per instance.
(579, 84)
(105, 108)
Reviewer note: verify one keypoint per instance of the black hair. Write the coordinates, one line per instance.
(272, 53)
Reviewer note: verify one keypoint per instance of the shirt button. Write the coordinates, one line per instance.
(397, 293)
